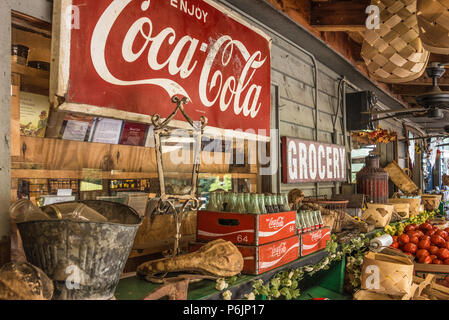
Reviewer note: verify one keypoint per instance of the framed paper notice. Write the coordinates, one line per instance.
(107, 131)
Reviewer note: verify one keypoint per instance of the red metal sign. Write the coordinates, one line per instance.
(309, 161)
(134, 55)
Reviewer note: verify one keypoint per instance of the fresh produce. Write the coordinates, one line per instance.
(433, 250)
(439, 241)
(426, 227)
(414, 239)
(422, 253)
(403, 239)
(443, 253)
(426, 243)
(426, 260)
(411, 247)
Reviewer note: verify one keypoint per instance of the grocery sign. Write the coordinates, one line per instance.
(135, 55)
(310, 161)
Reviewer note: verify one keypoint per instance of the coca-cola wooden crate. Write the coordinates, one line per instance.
(248, 229)
(314, 240)
(259, 259)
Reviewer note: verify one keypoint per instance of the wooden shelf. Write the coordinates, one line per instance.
(29, 72)
(91, 174)
(32, 79)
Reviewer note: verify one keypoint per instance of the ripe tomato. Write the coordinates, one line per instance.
(414, 240)
(437, 240)
(430, 232)
(424, 244)
(422, 253)
(425, 227)
(437, 261)
(433, 256)
(411, 233)
(424, 237)
(442, 233)
(433, 249)
(395, 245)
(403, 239)
(395, 238)
(446, 261)
(410, 247)
(409, 228)
(419, 233)
(447, 230)
(443, 253)
(426, 260)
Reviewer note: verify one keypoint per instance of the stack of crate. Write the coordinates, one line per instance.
(266, 241)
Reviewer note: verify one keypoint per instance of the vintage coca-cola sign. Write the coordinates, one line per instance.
(309, 161)
(134, 55)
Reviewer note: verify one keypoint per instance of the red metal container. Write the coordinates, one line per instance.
(247, 229)
(372, 181)
(259, 259)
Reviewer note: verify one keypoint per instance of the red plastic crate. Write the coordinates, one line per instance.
(314, 240)
(248, 229)
(259, 259)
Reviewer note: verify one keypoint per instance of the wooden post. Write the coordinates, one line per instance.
(5, 128)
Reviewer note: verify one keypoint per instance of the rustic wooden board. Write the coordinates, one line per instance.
(15, 115)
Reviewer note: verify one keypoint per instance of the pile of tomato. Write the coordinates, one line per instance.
(425, 242)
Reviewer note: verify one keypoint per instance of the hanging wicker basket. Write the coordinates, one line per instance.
(433, 23)
(394, 53)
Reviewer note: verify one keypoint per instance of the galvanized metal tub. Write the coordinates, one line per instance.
(84, 259)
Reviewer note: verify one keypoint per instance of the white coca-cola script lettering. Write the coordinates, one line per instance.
(276, 223)
(238, 91)
(316, 236)
(279, 250)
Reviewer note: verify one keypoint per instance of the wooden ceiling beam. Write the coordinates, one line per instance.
(347, 16)
(408, 90)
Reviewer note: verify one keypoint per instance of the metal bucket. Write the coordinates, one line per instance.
(84, 259)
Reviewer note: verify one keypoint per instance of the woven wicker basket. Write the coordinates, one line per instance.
(395, 274)
(400, 178)
(431, 201)
(394, 53)
(414, 204)
(433, 23)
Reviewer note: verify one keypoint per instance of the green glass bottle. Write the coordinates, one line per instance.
(232, 202)
(240, 207)
(212, 203)
(225, 201)
(253, 204)
(261, 200)
(220, 198)
(247, 199)
(274, 203)
(268, 205)
(285, 202)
